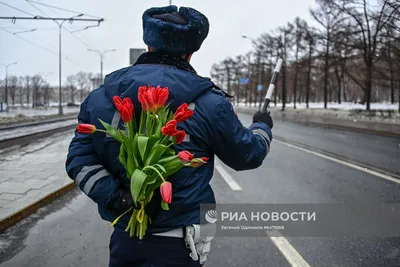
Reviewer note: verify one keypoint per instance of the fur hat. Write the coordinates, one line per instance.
(172, 31)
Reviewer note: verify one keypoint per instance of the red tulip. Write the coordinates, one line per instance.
(141, 93)
(161, 97)
(86, 128)
(170, 128)
(179, 136)
(124, 107)
(183, 113)
(166, 192)
(185, 156)
(198, 162)
(152, 98)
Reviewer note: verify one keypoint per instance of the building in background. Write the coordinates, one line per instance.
(134, 54)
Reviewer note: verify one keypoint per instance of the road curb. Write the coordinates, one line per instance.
(304, 120)
(33, 207)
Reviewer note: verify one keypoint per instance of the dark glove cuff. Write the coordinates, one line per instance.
(263, 117)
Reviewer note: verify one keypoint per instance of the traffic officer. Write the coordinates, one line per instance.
(172, 36)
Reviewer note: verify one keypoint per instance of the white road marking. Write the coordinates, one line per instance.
(226, 176)
(289, 252)
(351, 165)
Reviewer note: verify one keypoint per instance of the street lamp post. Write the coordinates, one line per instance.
(56, 20)
(6, 86)
(60, 108)
(101, 54)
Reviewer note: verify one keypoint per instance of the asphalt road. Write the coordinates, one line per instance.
(69, 232)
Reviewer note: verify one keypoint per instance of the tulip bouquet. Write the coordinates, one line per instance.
(146, 152)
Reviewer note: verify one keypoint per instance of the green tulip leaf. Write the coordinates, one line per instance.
(151, 143)
(123, 135)
(137, 180)
(142, 144)
(122, 156)
(169, 152)
(160, 167)
(155, 154)
(166, 159)
(111, 131)
(154, 169)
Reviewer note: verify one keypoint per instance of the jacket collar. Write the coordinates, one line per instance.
(165, 59)
(172, 61)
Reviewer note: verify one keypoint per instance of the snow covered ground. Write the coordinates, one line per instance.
(43, 111)
(343, 106)
(8, 134)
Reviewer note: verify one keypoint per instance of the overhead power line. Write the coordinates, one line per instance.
(50, 48)
(31, 42)
(60, 22)
(35, 7)
(20, 10)
(60, 8)
(69, 31)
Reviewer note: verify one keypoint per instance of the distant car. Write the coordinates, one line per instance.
(70, 104)
(35, 105)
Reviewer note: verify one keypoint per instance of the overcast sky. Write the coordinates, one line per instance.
(122, 29)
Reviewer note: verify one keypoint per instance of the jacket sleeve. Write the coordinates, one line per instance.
(89, 174)
(238, 147)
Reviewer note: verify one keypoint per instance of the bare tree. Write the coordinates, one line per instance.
(283, 41)
(299, 32)
(47, 93)
(27, 84)
(71, 85)
(36, 82)
(310, 38)
(238, 65)
(12, 87)
(21, 90)
(83, 83)
(329, 17)
(369, 21)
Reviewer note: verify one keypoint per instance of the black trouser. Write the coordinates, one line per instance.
(151, 251)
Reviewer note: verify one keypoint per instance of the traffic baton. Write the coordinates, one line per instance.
(272, 84)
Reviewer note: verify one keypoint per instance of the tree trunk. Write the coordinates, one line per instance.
(72, 94)
(295, 82)
(326, 75)
(309, 76)
(339, 81)
(284, 85)
(392, 86)
(27, 95)
(398, 94)
(368, 88)
(20, 96)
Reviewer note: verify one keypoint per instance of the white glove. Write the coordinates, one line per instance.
(200, 245)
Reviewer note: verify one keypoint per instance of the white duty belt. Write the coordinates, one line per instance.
(199, 245)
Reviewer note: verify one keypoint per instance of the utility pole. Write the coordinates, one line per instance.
(6, 87)
(101, 54)
(60, 22)
(170, 2)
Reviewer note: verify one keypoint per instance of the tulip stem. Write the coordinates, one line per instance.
(141, 122)
(103, 131)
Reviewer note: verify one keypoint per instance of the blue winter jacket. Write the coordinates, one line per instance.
(213, 130)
